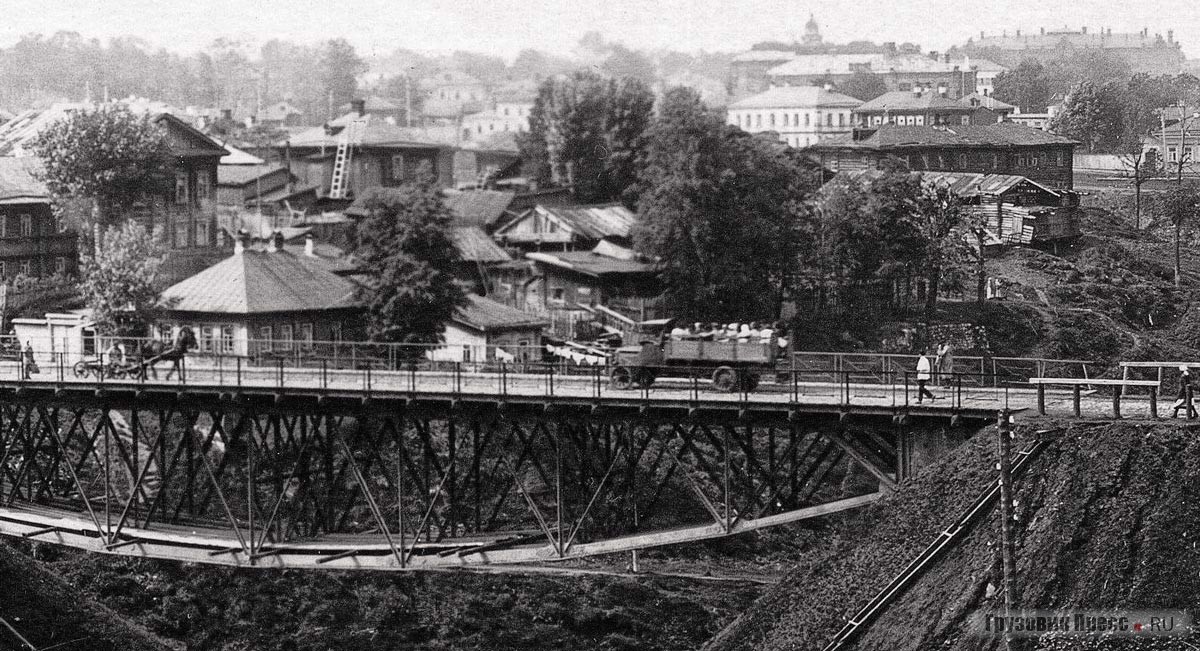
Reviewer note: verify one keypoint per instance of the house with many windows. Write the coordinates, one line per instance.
(801, 115)
(31, 242)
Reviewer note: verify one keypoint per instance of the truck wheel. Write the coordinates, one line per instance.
(724, 379)
(621, 378)
(749, 381)
(80, 369)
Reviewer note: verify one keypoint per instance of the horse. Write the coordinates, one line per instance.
(159, 351)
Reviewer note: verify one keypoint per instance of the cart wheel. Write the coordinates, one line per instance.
(80, 369)
(749, 381)
(645, 379)
(621, 378)
(724, 379)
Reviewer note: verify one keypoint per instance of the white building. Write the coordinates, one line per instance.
(504, 116)
(801, 115)
(985, 74)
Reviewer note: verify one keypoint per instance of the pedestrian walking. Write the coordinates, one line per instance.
(30, 365)
(945, 364)
(1184, 397)
(924, 375)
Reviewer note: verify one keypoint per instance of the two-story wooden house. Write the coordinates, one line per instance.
(31, 243)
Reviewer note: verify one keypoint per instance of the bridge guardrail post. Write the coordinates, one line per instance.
(100, 371)
(324, 374)
(457, 378)
(183, 369)
(279, 378)
(958, 400)
(369, 383)
(596, 373)
(906, 397)
(239, 372)
(550, 378)
(503, 378)
(795, 385)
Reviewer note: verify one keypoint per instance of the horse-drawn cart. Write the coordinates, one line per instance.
(93, 367)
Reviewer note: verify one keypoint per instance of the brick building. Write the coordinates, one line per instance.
(1142, 51)
(1003, 148)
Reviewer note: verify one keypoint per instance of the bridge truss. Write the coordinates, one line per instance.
(347, 481)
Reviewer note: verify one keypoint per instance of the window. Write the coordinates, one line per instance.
(905, 86)
(207, 337)
(181, 234)
(941, 162)
(202, 232)
(1172, 155)
(3, 270)
(771, 119)
(181, 188)
(227, 339)
(795, 119)
(829, 119)
(264, 337)
(505, 110)
(558, 294)
(60, 266)
(918, 120)
(962, 161)
(285, 336)
(758, 120)
(26, 225)
(966, 120)
(306, 336)
(398, 165)
(26, 268)
(807, 119)
(335, 331)
(3, 225)
(995, 161)
(1059, 159)
(583, 292)
(203, 188)
(841, 119)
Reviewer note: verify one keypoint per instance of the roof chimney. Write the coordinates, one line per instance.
(1083, 29)
(239, 244)
(308, 246)
(1018, 32)
(1170, 36)
(358, 106)
(1043, 31)
(226, 114)
(946, 58)
(275, 243)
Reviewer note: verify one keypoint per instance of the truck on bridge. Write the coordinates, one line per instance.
(732, 365)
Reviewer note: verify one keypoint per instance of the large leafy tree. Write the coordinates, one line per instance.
(106, 155)
(1181, 206)
(118, 282)
(1093, 115)
(722, 212)
(339, 70)
(1029, 86)
(585, 132)
(405, 245)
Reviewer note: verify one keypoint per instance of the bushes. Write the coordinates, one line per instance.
(1075, 335)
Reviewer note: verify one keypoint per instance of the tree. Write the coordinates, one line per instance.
(1028, 86)
(864, 86)
(404, 241)
(722, 213)
(585, 132)
(1093, 114)
(939, 215)
(1181, 205)
(118, 281)
(106, 155)
(623, 62)
(339, 71)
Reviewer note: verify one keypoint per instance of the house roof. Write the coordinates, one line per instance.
(964, 184)
(894, 136)
(257, 282)
(905, 100)
(376, 103)
(238, 157)
(239, 175)
(594, 222)
(378, 133)
(186, 140)
(475, 246)
(840, 64)
(18, 180)
(591, 263)
(756, 56)
(975, 100)
(485, 314)
(1051, 39)
(795, 97)
(18, 133)
(482, 208)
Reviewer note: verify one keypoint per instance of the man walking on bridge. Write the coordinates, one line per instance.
(1184, 397)
(924, 374)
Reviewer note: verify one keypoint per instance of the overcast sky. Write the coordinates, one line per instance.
(506, 26)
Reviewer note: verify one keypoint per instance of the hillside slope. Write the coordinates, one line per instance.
(1109, 519)
(48, 612)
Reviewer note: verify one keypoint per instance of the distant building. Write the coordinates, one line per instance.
(920, 107)
(451, 95)
(280, 114)
(986, 72)
(748, 70)
(500, 118)
(484, 330)
(31, 243)
(801, 115)
(1143, 51)
(568, 228)
(897, 71)
(1003, 148)
(263, 300)
(1001, 109)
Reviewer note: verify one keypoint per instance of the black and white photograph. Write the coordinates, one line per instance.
(539, 325)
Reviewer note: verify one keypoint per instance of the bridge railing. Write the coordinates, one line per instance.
(892, 388)
(977, 370)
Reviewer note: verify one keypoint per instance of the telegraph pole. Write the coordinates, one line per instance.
(1007, 554)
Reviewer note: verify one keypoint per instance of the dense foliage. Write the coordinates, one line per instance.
(118, 281)
(405, 246)
(106, 154)
(586, 132)
(721, 210)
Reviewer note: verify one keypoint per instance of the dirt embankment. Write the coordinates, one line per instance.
(48, 612)
(1109, 518)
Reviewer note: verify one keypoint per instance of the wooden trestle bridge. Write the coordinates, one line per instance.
(449, 465)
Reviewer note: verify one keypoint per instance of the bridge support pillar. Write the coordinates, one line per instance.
(1154, 402)
(1041, 393)
(1117, 401)
(1075, 399)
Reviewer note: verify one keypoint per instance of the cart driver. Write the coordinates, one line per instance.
(115, 353)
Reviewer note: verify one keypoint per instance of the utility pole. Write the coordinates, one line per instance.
(1007, 554)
